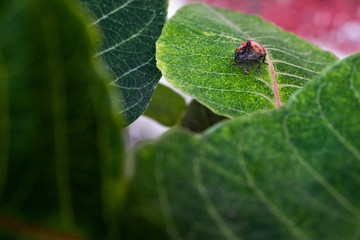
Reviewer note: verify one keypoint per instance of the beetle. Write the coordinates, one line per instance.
(248, 53)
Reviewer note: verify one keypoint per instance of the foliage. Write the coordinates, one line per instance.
(166, 106)
(129, 30)
(196, 51)
(290, 173)
(286, 169)
(61, 153)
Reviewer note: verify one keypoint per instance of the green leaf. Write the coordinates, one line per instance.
(129, 30)
(291, 173)
(195, 54)
(61, 150)
(166, 106)
(198, 118)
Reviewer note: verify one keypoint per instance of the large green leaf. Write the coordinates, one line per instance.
(196, 51)
(291, 173)
(129, 30)
(61, 151)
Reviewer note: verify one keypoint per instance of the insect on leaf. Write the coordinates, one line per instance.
(196, 55)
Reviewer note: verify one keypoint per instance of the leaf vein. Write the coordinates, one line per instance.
(317, 176)
(301, 58)
(267, 202)
(297, 66)
(226, 231)
(104, 16)
(133, 69)
(236, 91)
(223, 106)
(351, 81)
(128, 39)
(292, 75)
(230, 23)
(333, 130)
(164, 200)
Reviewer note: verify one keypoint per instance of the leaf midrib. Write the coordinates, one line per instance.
(272, 75)
(274, 83)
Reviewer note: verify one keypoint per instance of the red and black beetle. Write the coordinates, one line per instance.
(248, 53)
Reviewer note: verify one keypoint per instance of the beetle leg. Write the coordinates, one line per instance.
(240, 66)
(264, 61)
(249, 63)
(244, 68)
(236, 63)
(258, 69)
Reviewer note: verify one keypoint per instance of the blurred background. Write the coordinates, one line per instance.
(333, 25)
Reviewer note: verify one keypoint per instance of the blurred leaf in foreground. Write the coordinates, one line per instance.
(291, 173)
(61, 150)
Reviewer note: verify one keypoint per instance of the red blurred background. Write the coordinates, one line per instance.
(332, 24)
